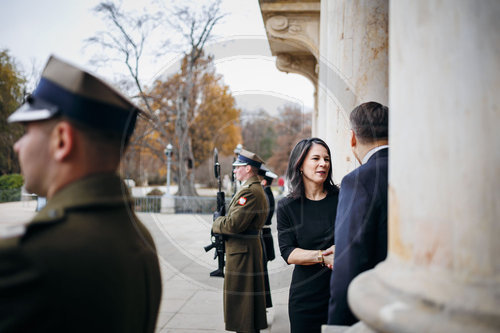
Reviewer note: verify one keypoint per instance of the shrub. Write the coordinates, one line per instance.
(11, 181)
(10, 187)
(155, 192)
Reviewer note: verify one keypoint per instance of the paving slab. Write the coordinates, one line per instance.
(202, 321)
(163, 319)
(19, 212)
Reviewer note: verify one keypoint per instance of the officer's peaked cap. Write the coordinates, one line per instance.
(248, 158)
(265, 172)
(66, 90)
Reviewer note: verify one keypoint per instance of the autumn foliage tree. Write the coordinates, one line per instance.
(196, 27)
(127, 36)
(273, 138)
(216, 122)
(294, 125)
(12, 86)
(259, 133)
(213, 120)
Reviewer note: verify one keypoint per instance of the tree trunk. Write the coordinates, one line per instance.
(185, 159)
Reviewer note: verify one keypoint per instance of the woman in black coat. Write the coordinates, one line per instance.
(306, 224)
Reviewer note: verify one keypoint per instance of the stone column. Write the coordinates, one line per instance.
(353, 69)
(443, 269)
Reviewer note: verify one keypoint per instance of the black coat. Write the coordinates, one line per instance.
(360, 231)
(84, 264)
(267, 235)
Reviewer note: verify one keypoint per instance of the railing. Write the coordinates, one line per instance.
(183, 204)
(195, 205)
(150, 204)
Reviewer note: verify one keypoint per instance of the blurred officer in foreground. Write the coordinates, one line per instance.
(85, 263)
(267, 178)
(244, 290)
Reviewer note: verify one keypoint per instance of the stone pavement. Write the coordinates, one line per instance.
(16, 212)
(192, 300)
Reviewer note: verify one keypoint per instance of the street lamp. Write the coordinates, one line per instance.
(236, 151)
(168, 153)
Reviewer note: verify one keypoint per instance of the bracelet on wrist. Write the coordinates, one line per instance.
(321, 258)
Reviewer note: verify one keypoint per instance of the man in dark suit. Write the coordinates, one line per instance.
(85, 263)
(361, 221)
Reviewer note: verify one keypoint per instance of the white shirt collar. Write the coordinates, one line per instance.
(373, 151)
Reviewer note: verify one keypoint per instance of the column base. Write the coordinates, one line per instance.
(167, 204)
(356, 328)
(396, 298)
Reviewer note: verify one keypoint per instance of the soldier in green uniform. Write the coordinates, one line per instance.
(85, 263)
(244, 289)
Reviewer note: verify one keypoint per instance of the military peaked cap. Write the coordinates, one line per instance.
(248, 158)
(66, 90)
(265, 172)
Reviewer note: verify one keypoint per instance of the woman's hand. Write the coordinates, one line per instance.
(329, 254)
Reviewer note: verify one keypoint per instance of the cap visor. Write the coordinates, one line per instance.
(271, 175)
(34, 111)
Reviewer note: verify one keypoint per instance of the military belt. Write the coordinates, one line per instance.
(246, 233)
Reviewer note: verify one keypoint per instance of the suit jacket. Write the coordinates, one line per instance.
(244, 289)
(85, 263)
(360, 231)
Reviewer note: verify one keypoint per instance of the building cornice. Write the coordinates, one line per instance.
(293, 33)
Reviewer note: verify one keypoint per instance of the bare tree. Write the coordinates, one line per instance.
(196, 28)
(126, 37)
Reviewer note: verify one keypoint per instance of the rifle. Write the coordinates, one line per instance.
(218, 239)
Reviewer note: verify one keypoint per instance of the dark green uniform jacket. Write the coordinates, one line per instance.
(84, 264)
(244, 289)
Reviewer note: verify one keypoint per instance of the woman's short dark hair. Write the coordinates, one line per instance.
(297, 157)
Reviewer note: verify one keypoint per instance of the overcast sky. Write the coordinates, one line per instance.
(32, 30)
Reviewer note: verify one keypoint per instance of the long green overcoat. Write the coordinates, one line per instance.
(85, 263)
(244, 289)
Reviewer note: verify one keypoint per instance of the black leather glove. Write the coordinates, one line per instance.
(220, 212)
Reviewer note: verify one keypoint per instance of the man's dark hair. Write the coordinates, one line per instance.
(254, 169)
(293, 174)
(370, 122)
(104, 145)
